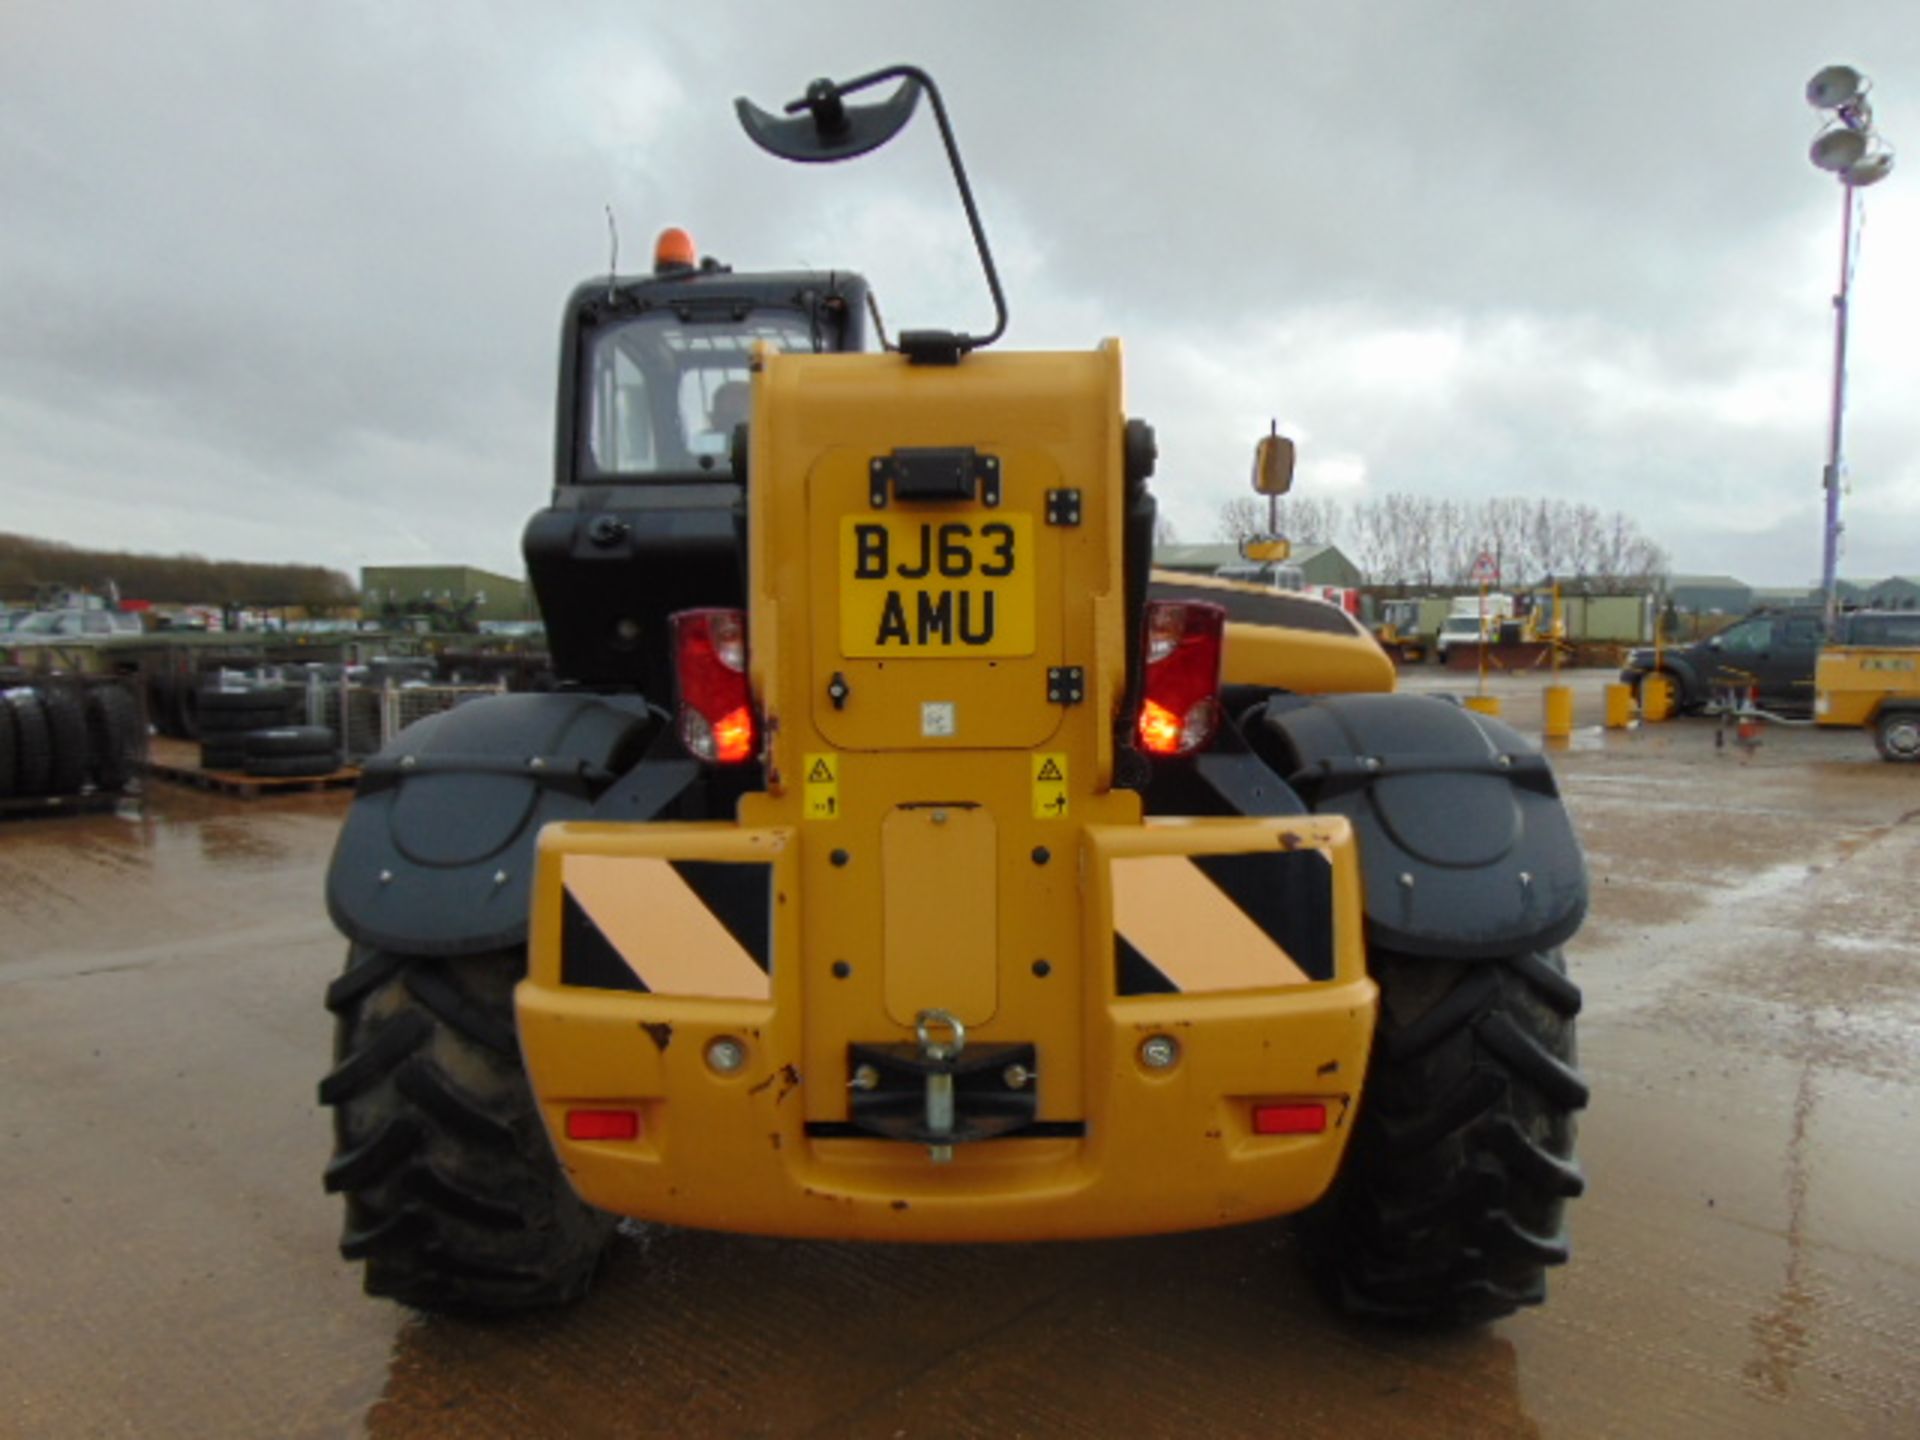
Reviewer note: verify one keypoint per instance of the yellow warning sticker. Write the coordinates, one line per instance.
(1050, 786)
(822, 787)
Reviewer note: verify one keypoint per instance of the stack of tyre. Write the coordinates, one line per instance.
(65, 737)
(253, 729)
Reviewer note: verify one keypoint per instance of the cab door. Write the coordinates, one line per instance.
(1741, 654)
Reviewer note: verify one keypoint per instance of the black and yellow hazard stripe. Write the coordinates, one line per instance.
(1191, 924)
(667, 927)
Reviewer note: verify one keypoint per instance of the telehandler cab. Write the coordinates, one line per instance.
(899, 860)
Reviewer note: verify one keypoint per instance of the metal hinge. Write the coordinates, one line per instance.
(1066, 684)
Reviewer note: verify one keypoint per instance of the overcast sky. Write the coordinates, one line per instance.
(283, 281)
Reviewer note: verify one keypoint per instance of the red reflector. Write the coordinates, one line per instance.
(603, 1125)
(1290, 1118)
(716, 702)
(1181, 709)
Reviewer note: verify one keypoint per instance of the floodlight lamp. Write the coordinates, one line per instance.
(1869, 169)
(1837, 148)
(1835, 86)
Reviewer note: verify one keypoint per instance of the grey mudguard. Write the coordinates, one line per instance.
(1465, 846)
(436, 856)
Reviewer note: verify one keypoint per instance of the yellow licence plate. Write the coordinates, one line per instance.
(936, 587)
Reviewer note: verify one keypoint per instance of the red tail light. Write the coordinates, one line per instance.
(1181, 705)
(716, 706)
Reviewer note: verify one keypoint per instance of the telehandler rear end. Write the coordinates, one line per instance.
(903, 861)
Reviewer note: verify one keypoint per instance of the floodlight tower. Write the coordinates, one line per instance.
(1850, 148)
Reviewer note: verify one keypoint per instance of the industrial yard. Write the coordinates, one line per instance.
(1745, 1259)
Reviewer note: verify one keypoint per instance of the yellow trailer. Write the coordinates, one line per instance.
(1872, 687)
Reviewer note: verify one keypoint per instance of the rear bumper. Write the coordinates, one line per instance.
(1119, 1148)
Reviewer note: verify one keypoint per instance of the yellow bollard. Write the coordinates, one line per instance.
(1656, 698)
(1619, 706)
(1483, 704)
(1559, 712)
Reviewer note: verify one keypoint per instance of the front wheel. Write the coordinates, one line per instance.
(455, 1202)
(1449, 1208)
(1896, 735)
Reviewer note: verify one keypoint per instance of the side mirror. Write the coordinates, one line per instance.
(1273, 465)
(1714, 643)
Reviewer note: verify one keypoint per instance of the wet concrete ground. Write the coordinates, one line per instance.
(1747, 1260)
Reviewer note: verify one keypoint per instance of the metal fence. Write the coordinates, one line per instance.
(367, 717)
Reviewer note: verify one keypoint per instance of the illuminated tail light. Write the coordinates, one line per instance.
(1181, 706)
(603, 1125)
(1291, 1117)
(716, 706)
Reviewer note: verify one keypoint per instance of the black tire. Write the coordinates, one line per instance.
(9, 746)
(291, 740)
(67, 739)
(1896, 735)
(33, 745)
(186, 707)
(1449, 1208)
(236, 712)
(116, 733)
(215, 700)
(286, 767)
(455, 1202)
(222, 754)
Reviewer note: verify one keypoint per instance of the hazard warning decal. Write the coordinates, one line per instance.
(1186, 924)
(820, 787)
(667, 927)
(1050, 786)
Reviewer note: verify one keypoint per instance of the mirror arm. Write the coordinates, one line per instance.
(825, 100)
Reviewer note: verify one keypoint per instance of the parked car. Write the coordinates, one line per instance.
(1770, 651)
(52, 627)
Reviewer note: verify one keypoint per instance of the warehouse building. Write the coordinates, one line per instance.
(450, 588)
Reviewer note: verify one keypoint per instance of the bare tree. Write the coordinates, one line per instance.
(1241, 517)
(1311, 519)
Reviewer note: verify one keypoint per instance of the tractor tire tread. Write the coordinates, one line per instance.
(1450, 1206)
(367, 970)
(368, 1067)
(430, 986)
(456, 1202)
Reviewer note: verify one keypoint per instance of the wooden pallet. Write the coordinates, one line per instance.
(178, 763)
(93, 802)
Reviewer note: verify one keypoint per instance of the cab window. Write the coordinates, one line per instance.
(1749, 637)
(662, 394)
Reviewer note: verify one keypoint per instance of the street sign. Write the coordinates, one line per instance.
(1265, 547)
(1485, 570)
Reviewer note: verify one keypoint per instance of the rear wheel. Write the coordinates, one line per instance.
(1896, 735)
(455, 1202)
(1449, 1208)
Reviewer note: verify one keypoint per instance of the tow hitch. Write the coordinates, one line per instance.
(937, 1092)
